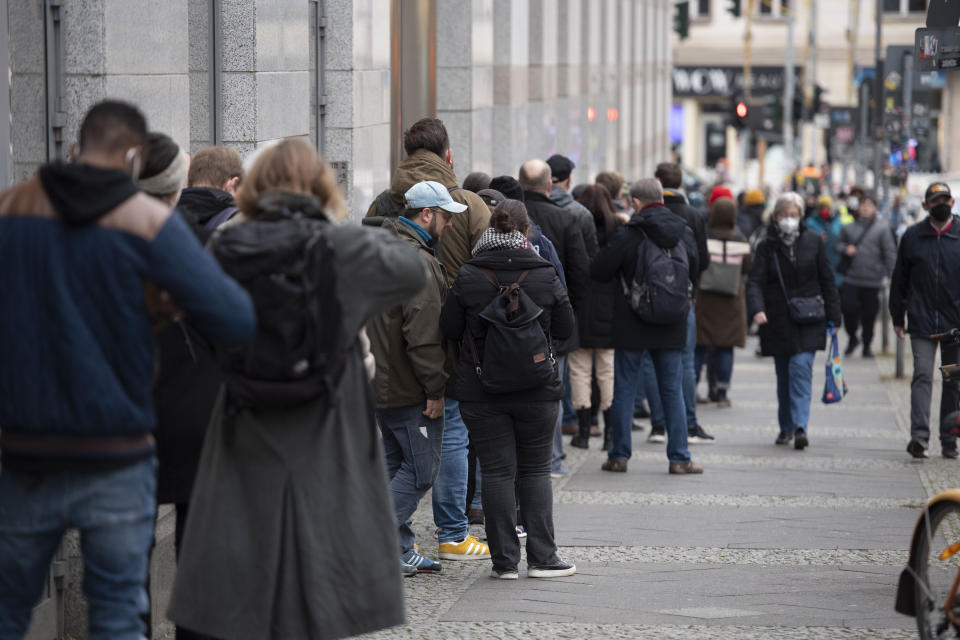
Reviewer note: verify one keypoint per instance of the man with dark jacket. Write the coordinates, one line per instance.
(78, 362)
(212, 181)
(410, 373)
(652, 222)
(559, 225)
(926, 288)
(561, 170)
(671, 177)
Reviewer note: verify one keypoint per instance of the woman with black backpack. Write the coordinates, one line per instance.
(292, 464)
(504, 308)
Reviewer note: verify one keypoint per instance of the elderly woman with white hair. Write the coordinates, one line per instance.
(792, 295)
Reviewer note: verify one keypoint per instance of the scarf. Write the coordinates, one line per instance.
(493, 239)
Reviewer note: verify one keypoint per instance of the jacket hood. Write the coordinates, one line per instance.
(560, 197)
(202, 203)
(671, 196)
(661, 225)
(509, 260)
(281, 204)
(419, 166)
(82, 193)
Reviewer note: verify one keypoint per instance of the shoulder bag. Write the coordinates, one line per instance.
(803, 310)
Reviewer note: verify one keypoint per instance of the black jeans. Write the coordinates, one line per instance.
(514, 443)
(860, 306)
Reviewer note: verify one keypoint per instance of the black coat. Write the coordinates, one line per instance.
(617, 263)
(563, 229)
(677, 203)
(806, 272)
(198, 204)
(925, 286)
(595, 317)
(472, 292)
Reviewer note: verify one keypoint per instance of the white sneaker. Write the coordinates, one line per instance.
(558, 570)
(507, 574)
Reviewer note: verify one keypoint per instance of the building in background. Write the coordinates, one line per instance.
(512, 79)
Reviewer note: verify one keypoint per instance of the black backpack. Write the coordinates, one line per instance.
(517, 354)
(285, 263)
(660, 291)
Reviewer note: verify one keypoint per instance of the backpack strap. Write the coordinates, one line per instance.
(222, 216)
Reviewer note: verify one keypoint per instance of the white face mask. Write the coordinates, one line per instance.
(853, 203)
(788, 226)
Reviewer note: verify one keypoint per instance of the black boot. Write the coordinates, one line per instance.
(582, 439)
(607, 431)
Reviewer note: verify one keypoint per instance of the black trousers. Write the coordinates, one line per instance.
(860, 306)
(514, 443)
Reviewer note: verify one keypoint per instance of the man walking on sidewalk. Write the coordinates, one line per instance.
(925, 288)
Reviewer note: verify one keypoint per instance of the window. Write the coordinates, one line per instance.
(701, 8)
(772, 8)
(903, 7)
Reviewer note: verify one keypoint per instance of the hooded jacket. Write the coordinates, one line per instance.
(563, 199)
(618, 263)
(876, 252)
(676, 202)
(925, 287)
(198, 205)
(750, 218)
(472, 292)
(563, 229)
(806, 272)
(456, 243)
(406, 340)
(79, 247)
(829, 230)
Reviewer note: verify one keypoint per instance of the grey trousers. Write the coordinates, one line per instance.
(921, 388)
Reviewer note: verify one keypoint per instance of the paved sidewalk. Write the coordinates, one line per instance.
(769, 543)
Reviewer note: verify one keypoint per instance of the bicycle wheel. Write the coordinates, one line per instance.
(938, 537)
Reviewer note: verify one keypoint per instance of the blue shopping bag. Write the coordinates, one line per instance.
(835, 387)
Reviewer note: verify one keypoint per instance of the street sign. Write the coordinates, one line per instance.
(937, 49)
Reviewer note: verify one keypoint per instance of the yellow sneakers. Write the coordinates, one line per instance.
(469, 549)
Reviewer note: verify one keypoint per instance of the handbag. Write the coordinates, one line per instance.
(843, 265)
(834, 386)
(803, 310)
(721, 277)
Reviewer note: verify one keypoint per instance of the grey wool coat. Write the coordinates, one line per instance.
(284, 494)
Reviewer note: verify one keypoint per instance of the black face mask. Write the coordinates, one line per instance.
(941, 212)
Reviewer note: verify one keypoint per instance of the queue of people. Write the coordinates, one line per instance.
(447, 328)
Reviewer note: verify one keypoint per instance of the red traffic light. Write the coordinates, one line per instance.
(741, 110)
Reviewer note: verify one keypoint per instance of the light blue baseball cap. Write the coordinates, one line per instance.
(432, 194)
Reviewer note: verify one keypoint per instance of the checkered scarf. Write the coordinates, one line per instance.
(493, 239)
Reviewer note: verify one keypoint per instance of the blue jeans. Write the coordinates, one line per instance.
(556, 463)
(689, 369)
(721, 359)
(652, 390)
(114, 511)
(450, 488)
(628, 365)
(794, 390)
(412, 444)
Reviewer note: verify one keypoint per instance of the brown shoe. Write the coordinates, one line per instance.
(615, 465)
(569, 429)
(595, 431)
(685, 467)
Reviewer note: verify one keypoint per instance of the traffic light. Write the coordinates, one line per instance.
(740, 113)
(734, 8)
(681, 19)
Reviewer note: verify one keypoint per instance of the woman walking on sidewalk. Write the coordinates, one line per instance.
(792, 294)
(512, 431)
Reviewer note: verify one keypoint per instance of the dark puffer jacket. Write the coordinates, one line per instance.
(617, 263)
(925, 286)
(472, 292)
(677, 202)
(563, 229)
(806, 272)
(595, 318)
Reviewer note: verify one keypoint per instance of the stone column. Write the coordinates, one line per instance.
(465, 84)
(357, 78)
(542, 115)
(510, 85)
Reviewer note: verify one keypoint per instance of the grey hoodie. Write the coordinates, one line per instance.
(876, 253)
(563, 199)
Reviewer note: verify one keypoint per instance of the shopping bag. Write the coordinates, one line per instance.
(835, 387)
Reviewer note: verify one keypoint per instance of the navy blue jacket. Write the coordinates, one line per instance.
(77, 339)
(925, 286)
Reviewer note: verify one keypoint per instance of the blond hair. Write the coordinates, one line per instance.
(290, 165)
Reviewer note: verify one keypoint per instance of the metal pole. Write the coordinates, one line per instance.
(789, 87)
(907, 97)
(864, 134)
(878, 93)
(812, 84)
(885, 324)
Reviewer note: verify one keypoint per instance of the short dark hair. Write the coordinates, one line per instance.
(214, 166)
(112, 125)
(868, 198)
(669, 174)
(429, 134)
(160, 151)
(476, 181)
(509, 216)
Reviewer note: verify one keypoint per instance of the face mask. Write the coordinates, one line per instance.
(788, 227)
(941, 212)
(853, 203)
(825, 214)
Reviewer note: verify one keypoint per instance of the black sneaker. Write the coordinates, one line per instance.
(867, 352)
(800, 441)
(784, 438)
(657, 434)
(917, 448)
(852, 345)
(950, 454)
(558, 569)
(698, 436)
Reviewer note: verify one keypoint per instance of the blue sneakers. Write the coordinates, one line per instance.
(422, 563)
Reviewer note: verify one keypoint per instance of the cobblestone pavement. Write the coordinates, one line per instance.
(769, 543)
